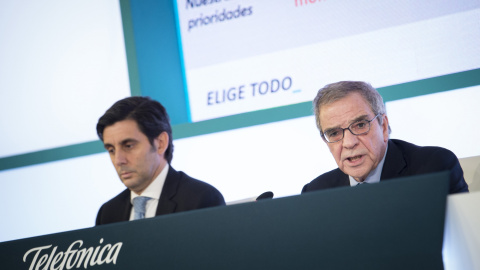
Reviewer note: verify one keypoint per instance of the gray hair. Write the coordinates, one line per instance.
(336, 91)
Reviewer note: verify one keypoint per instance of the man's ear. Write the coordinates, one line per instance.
(385, 128)
(163, 141)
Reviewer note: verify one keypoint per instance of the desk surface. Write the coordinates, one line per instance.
(395, 224)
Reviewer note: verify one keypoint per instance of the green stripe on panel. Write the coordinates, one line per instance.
(242, 120)
(431, 85)
(389, 93)
(130, 48)
(49, 155)
(158, 56)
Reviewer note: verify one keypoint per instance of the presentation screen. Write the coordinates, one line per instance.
(242, 56)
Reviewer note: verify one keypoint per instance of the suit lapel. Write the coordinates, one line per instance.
(394, 162)
(127, 207)
(123, 203)
(166, 204)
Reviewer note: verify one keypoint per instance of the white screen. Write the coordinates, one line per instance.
(274, 53)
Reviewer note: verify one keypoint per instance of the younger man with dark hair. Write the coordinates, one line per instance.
(137, 134)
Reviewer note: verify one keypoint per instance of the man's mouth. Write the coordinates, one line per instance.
(355, 158)
(125, 174)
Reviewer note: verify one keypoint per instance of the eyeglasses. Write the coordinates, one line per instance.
(358, 128)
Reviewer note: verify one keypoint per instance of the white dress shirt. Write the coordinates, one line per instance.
(153, 191)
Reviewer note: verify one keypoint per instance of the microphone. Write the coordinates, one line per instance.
(265, 195)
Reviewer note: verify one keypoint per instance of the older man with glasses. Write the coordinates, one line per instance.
(352, 121)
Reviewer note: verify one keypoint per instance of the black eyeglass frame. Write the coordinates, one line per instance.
(343, 129)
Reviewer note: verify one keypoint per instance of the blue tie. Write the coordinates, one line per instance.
(139, 206)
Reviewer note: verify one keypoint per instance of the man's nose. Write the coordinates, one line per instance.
(120, 158)
(349, 139)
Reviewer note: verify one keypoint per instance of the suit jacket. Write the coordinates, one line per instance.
(180, 193)
(403, 159)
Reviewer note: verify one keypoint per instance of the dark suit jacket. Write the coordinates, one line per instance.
(180, 193)
(403, 159)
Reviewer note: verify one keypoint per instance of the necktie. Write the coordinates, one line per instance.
(139, 206)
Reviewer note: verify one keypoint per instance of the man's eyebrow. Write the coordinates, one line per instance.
(128, 140)
(107, 145)
(356, 119)
(359, 118)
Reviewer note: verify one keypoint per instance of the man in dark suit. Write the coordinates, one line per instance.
(352, 121)
(137, 134)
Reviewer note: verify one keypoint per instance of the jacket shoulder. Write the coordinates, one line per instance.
(431, 156)
(332, 179)
(115, 209)
(195, 192)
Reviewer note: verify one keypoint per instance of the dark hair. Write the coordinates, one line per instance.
(150, 115)
(336, 91)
